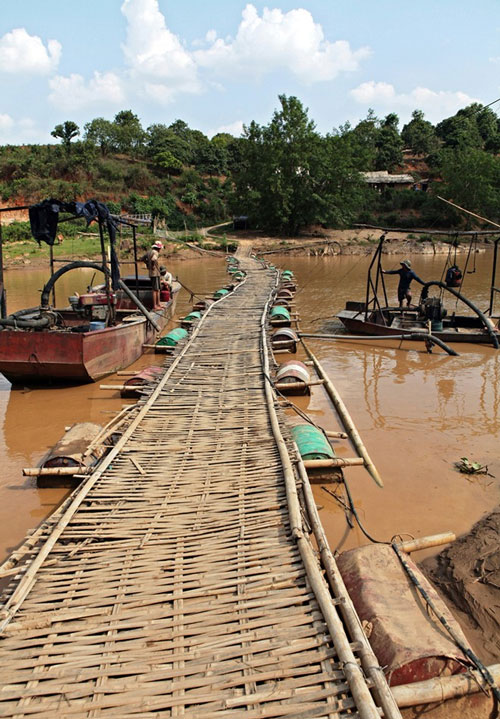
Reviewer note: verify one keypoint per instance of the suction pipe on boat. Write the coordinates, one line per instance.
(139, 305)
(484, 319)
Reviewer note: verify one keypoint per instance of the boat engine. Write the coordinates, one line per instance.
(94, 305)
(432, 309)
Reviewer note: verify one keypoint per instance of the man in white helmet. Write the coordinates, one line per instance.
(151, 260)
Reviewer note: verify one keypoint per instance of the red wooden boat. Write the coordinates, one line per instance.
(79, 347)
(102, 331)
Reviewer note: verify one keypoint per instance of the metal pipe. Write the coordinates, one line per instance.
(139, 305)
(486, 322)
(493, 277)
(409, 336)
(3, 301)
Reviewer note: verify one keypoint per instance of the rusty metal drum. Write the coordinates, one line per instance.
(284, 338)
(293, 373)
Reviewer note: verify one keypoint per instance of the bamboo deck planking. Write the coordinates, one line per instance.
(172, 583)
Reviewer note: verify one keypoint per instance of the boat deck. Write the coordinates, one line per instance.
(171, 583)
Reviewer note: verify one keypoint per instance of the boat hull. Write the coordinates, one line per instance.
(355, 323)
(76, 357)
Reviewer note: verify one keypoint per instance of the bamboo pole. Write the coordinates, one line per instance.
(433, 540)
(368, 659)
(55, 471)
(364, 701)
(346, 419)
(468, 212)
(298, 385)
(439, 689)
(335, 462)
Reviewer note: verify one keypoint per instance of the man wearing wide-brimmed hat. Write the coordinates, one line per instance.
(150, 259)
(406, 275)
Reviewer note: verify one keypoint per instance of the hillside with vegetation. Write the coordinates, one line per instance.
(284, 176)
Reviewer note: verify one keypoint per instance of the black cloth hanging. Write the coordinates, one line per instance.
(45, 215)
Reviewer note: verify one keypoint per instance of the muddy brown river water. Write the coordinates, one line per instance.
(417, 413)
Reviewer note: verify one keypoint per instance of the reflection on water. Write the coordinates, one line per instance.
(417, 413)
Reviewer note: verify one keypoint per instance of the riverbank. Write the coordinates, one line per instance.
(317, 242)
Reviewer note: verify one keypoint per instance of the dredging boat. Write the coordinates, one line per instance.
(102, 331)
(375, 317)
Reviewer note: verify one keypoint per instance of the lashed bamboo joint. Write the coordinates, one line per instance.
(178, 579)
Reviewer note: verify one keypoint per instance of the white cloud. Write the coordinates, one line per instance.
(6, 122)
(434, 104)
(161, 67)
(278, 40)
(234, 128)
(24, 130)
(155, 54)
(21, 53)
(73, 92)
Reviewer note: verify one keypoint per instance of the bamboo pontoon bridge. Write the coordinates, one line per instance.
(179, 580)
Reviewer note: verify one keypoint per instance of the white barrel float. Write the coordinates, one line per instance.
(285, 294)
(284, 338)
(294, 373)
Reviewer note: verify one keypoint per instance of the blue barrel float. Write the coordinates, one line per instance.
(311, 442)
(280, 315)
(220, 293)
(172, 338)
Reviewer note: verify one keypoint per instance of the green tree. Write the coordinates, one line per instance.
(99, 132)
(66, 132)
(289, 176)
(128, 135)
(419, 134)
(389, 144)
(471, 178)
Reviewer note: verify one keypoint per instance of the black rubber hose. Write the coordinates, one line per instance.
(44, 301)
(39, 323)
(486, 322)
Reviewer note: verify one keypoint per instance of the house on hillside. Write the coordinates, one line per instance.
(381, 179)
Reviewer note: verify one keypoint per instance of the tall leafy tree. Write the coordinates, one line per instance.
(471, 178)
(289, 176)
(389, 144)
(128, 135)
(66, 132)
(99, 132)
(419, 134)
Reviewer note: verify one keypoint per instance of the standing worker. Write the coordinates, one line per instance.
(150, 259)
(406, 275)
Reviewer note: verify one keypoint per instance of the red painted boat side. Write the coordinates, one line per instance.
(74, 356)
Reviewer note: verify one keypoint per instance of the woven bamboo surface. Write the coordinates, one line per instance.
(175, 587)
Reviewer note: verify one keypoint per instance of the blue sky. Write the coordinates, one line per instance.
(218, 65)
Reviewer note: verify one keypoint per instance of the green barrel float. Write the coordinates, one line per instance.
(172, 338)
(287, 274)
(239, 275)
(220, 293)
(280, 314)
(311, 442)
(192, 316)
